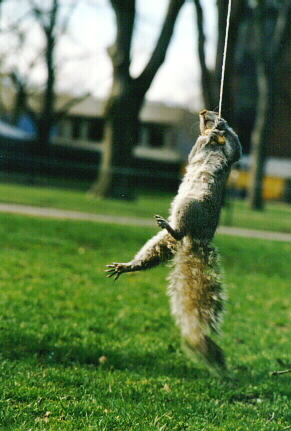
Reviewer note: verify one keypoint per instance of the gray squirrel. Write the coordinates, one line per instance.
(195, 285)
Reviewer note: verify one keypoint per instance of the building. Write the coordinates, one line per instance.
(166, 136)
(166, 133)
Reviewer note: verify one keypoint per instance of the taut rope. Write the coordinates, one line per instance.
(224, 58)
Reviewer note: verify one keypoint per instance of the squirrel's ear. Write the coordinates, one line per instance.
(203, 112)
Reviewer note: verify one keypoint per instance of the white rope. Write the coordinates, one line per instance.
(224, 57)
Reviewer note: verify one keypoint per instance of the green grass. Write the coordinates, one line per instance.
(276, 216)
(59, 315)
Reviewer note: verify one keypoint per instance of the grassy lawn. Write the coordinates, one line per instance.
(80, 352)
(276, 216)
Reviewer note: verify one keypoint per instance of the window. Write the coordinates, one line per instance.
(76, 129)
(95, 129)
(156, 135)
(65, 128)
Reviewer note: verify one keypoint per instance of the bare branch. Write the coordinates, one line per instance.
(38, 13)
(15, 25)
(53, 17)
(66, 19)
(46, 18)
(158, 56)
(36, 59)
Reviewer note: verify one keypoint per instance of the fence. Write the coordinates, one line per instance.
(64, 169)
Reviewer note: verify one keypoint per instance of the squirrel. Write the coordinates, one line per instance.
(195, 284)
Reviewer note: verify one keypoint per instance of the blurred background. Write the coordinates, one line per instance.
(103, 95)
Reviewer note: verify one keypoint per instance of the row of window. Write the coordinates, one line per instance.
(92, 130)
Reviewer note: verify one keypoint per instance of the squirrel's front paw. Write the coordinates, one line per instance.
(116, 269)
(161, 222)
(217, 136)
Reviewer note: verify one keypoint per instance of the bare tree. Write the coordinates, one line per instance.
(53, 18)
(271, 35)
(17, 30)
(52, 28)
(48, 23)
(127, 97)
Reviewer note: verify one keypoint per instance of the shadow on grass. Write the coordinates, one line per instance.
(16, 347)
(242, 385)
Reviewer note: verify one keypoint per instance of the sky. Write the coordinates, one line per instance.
(177, 81)
(84, 65)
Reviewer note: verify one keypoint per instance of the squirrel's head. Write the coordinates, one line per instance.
(208, 121)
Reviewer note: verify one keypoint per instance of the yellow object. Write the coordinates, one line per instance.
(273, 187)
(221, 140)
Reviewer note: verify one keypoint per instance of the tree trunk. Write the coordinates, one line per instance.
(258, 139)
(206, 78)
(45, 121)
(268, 59)
(46, 117)
(116, 175)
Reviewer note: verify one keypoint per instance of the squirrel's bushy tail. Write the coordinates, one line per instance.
(197, 299)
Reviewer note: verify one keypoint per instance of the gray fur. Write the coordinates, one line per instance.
(195, 286)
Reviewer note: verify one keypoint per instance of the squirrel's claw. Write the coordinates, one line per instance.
(114, 270)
